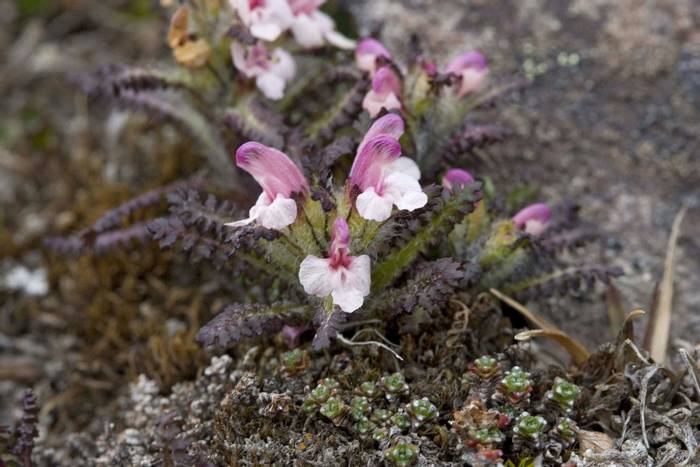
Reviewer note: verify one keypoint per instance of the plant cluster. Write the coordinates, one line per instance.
(343, 224)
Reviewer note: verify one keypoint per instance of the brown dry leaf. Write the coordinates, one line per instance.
(595, 441)
(193, 54)
(660, 324)
(179, 23)
(577, 351)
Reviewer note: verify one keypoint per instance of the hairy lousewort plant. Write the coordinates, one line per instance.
(380, 241)
(344, 277)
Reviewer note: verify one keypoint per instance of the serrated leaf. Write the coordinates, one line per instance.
(239, 320)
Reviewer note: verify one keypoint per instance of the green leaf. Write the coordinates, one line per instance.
(437, 219)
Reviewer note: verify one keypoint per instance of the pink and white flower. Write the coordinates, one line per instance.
(345, 278)
(367, 52)
(384, 178)
(456, 178)
(385, 92)
(533, 219)
(272, 71)
(472, 69)
(313, 28)
(266, 19)
(279, 178)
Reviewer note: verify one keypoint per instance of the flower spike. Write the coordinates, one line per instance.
(279, 178)
(384, 178)
(345, 278)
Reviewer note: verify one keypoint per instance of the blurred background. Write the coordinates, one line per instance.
(610, 119)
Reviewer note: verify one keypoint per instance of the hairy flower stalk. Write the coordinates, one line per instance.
(384, 178)
(279, 178)
(385, 92)
(345, 278)
(472, 70)
(272, 71)
(533, 219)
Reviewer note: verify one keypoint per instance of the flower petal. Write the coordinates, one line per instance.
(338, 40)
(353, 284)
(271, 85)
(307, 32)
(404, 191)
(367, 52)
(340, 236)
(373, 207)
(466, 60)
(390, 125)
(283, 64)
(386, 81)
(373, 103)
(316, 276)
(538, 211)
(272, 169)
(472, 80)
(456, 178)
(370, 164)
(267, 31)
(279, 214)
(405, 166)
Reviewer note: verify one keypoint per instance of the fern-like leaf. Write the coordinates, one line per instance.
(429, 225)
(432, 284)
(238, 321)
(566, 281)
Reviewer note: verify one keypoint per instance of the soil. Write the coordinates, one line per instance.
(610, 119)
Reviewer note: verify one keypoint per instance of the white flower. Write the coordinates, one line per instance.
(345, 278)
(279, 177)
(383, 177)
(272, 71)
(313, 28)
(266, 19)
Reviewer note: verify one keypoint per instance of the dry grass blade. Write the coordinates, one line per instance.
(577, 351)
(548, 329)
(616, 312)
(627, 329)
(656, 339)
